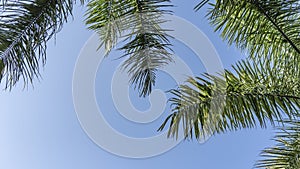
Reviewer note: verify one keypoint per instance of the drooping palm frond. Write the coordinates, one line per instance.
(147, 46)
(25, 28)
(266, 29)
(286, 154)
(256, 93)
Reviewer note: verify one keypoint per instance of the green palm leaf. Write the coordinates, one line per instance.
(286, 154)
(266, 29)
(107, 18)
(263, 90)
(255, 94)
(147, 46)
(25, 28)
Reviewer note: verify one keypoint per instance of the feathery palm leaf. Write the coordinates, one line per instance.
(269, 32)
(286, 154)
(147, 46)
(106, 17)
(256, 93)
(25, 28)
(265, 91)
(266, 29)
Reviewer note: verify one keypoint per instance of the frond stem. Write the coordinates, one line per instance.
(261, 9)
(249, 94)
(18, 38)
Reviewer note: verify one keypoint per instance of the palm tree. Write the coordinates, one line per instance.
(264, 88)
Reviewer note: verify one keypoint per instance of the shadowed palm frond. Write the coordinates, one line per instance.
(286, 154)
(147, 46)
(256, 93)
(25, 28)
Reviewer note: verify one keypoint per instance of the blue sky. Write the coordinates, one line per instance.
(39, 127)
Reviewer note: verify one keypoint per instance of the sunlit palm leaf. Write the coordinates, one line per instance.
(266, 29)
(255, 94)
(107, 18)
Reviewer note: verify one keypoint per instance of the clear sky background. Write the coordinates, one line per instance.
(39, 128)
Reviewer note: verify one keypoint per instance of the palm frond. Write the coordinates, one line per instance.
(25, 28)
(286, 154)
(107, 18)
(147, 46)
(266, 29)
(254, 94)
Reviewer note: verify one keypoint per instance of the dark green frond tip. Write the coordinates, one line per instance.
(2, 68)
(146, 53)
(148, 47)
